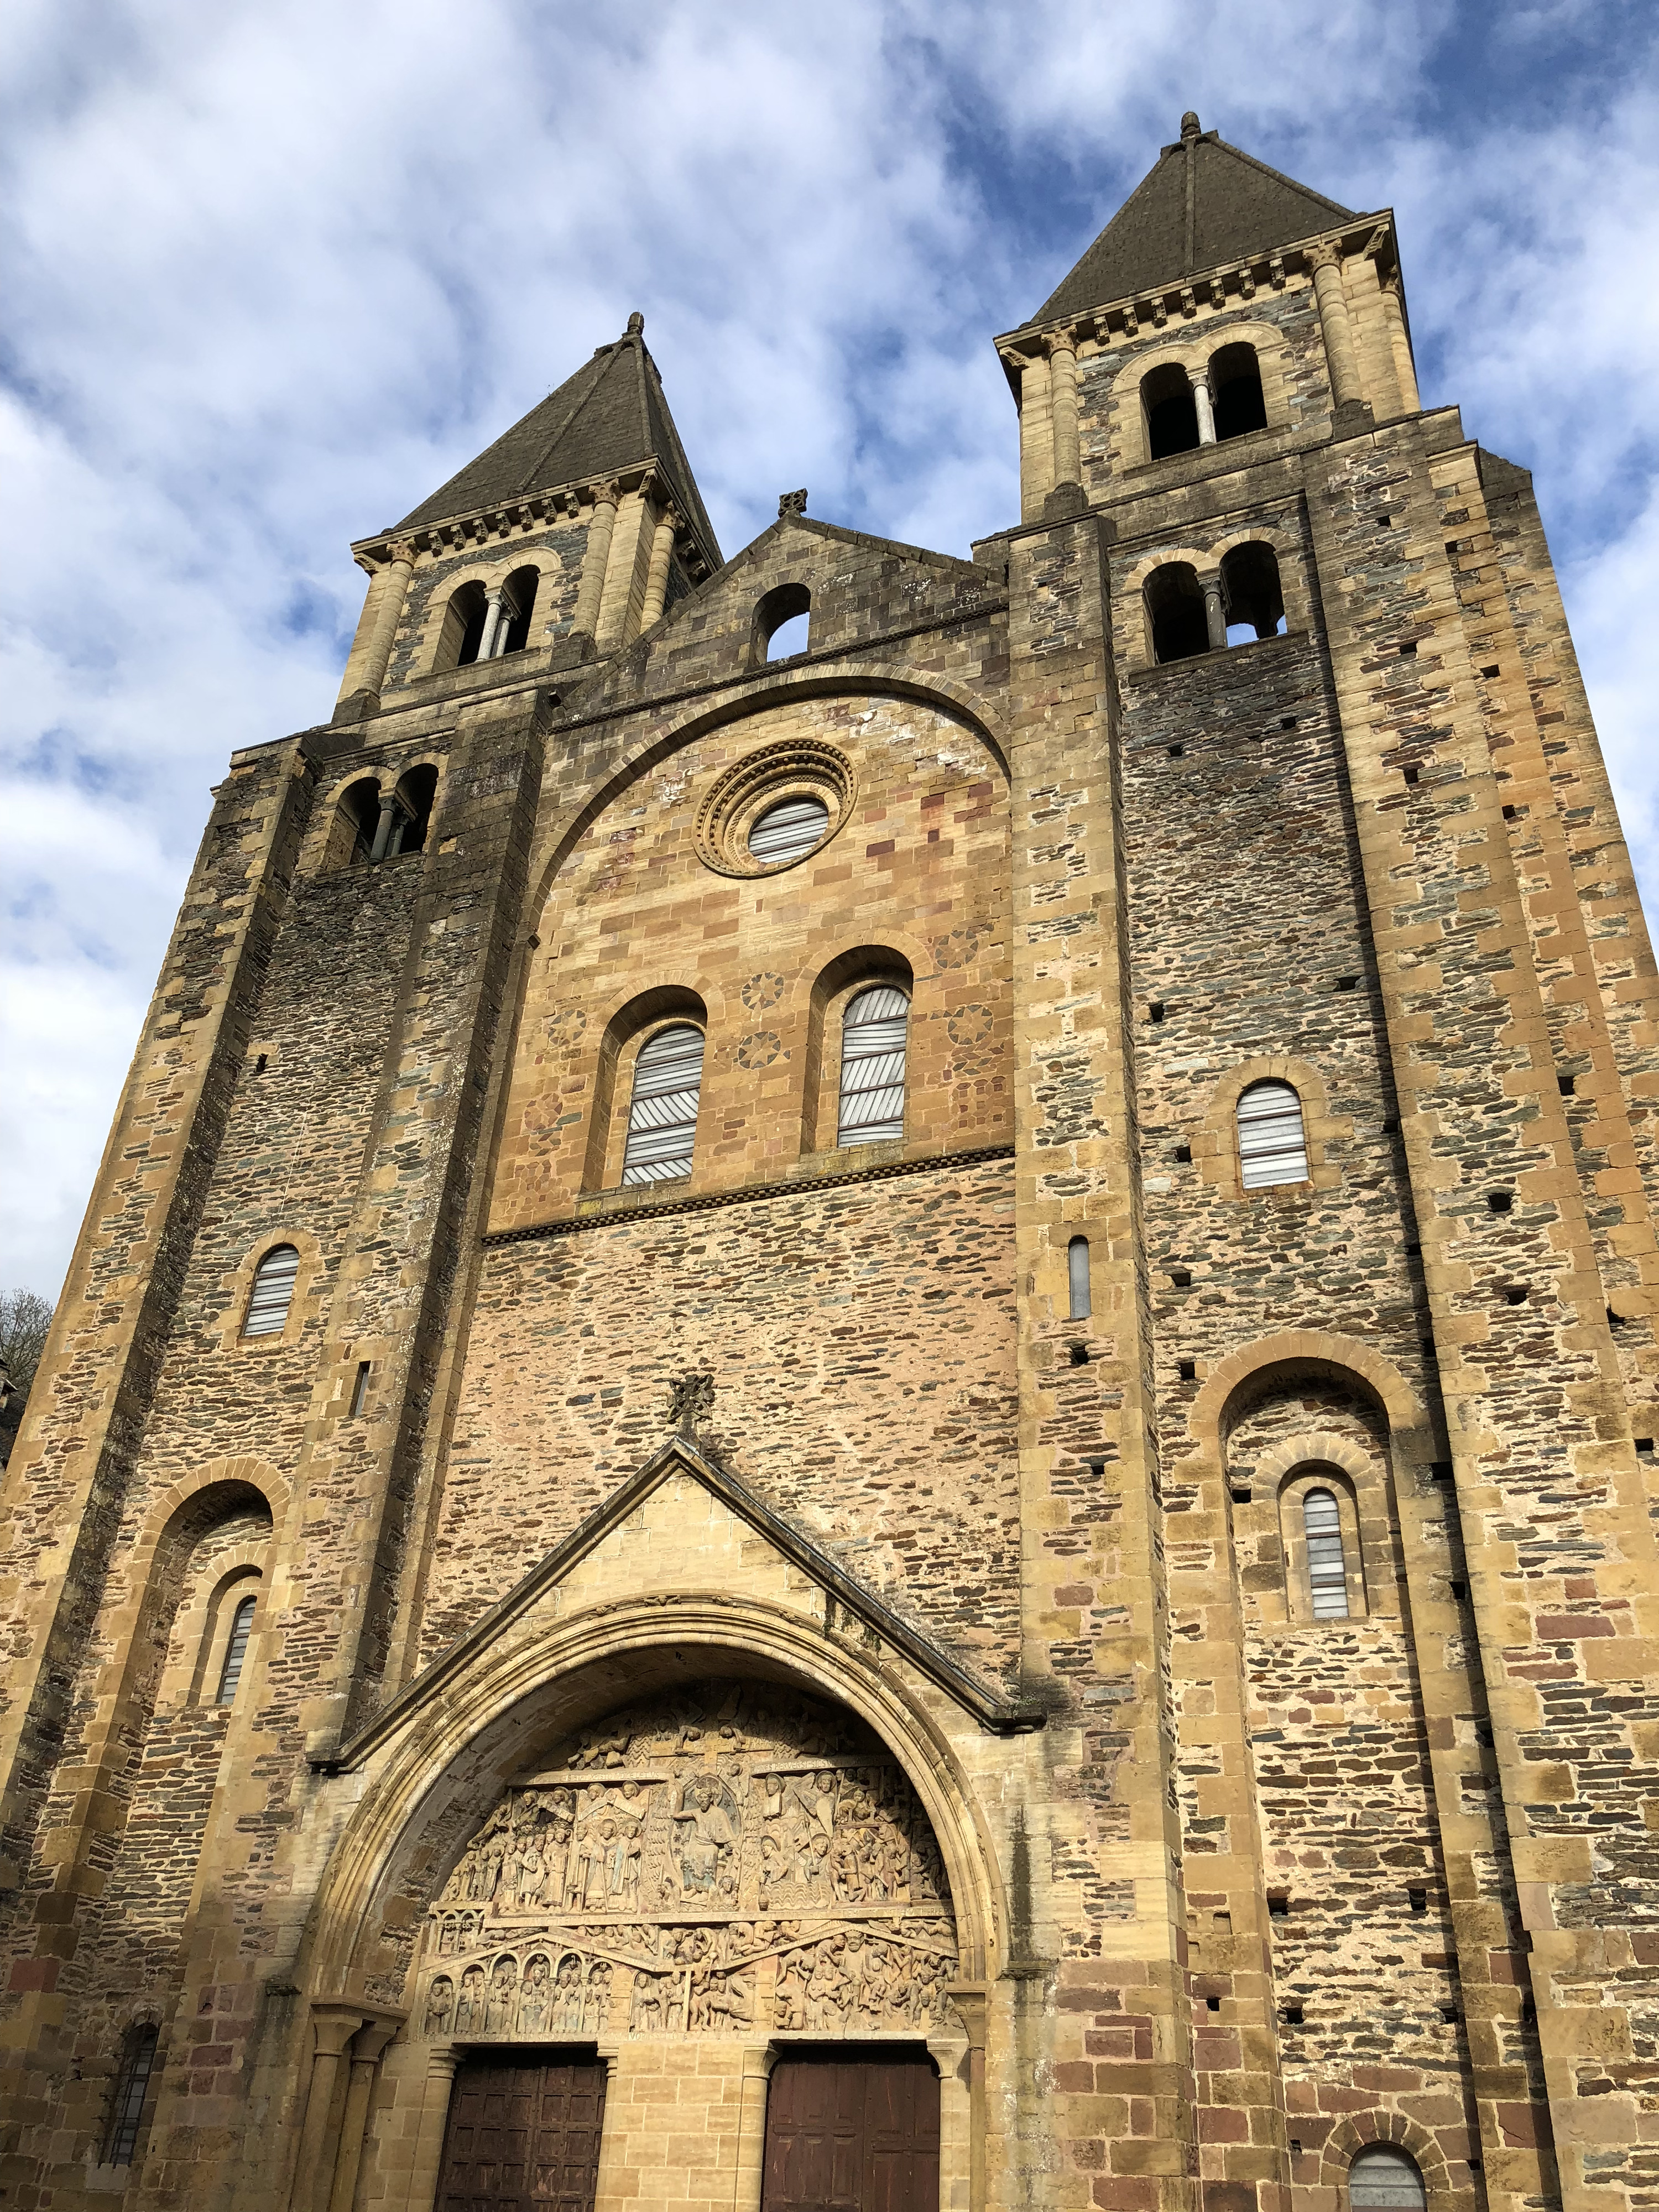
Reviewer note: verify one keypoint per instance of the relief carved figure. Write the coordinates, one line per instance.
(741, 1857)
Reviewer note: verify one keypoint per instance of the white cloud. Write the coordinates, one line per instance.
(276, 273)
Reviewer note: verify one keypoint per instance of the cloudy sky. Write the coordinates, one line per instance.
(276, 271)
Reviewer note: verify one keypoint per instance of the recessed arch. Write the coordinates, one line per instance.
(456, 1752)
(764, 696)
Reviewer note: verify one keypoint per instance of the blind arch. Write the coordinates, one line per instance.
(874, 1036)
(273, 1292)
(1272, 1138)
(662, 1118)
(1327, 1565)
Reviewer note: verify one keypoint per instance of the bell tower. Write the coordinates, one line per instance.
(1325, 914)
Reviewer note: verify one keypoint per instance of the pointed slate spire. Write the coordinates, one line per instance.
(1204, 202)
(610, 416)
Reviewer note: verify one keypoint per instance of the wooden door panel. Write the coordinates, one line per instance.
(523, 2135)
(852, 2134)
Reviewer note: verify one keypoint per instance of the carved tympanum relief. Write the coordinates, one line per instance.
(729, 1859)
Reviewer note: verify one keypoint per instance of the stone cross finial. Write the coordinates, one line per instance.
(791, 502)
(690, 1399)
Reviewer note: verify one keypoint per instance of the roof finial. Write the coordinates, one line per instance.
(1189, 127)
(636, 323)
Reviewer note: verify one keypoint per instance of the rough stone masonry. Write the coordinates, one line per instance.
(1129, 1063)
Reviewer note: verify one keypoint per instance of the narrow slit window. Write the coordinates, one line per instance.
(1273, 1144)
(872, 1042)
(242, 1627)
(662, 1122)
(273, 1292)
(1383, 2180)
(1077, 1266)
(131, 2087)
(1327, 1570)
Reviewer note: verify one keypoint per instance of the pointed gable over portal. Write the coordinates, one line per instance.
(1204, 202)
(611, 416)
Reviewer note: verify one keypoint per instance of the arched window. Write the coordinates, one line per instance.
(353, 837)
(272, 1293)
(1272, 1145)
(1250, 591)
(782, 621)
(519, 609)
(1236, 385)
(1076, 1270)
(873, 1039)
(1171, 412)
(1327, 1571)
(662, 1121)
(126, 2108)
(414, 796)
(463, 625)
(1174, 608)
(242, 1627)
(1384, 2179)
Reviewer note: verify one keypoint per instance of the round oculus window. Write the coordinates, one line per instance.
(788, 830)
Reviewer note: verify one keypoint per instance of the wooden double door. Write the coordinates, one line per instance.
(846, 2132)
(850, 2131)
(523, 2135)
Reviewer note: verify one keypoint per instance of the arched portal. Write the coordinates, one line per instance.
(658, 1880)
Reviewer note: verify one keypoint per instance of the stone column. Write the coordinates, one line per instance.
(497, 618)
(662, 555)
(606, 499)
(1327, 266)
(366, 2049)
(970, 2000)
(1062, 385)
(1215, 614)
(332, 2027)
(1203, 405)
(1399, 344)
(389, 811)
(383, 610)
(441, 2065)
(758, 2060)
(1036, 440)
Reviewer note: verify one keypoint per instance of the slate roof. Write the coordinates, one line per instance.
(611, 415)
(1204, 202)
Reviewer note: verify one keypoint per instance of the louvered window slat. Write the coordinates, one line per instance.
(242, 1627)
(273, 1292)
(787, 830)
(1273, 1144)
(1384, 2180)
(874, 1031)
(1327, 1572)
(662, 1118)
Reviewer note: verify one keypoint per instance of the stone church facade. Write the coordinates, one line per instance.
(874, 1426)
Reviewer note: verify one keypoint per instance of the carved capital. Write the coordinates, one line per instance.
(1059, 341)
(1323, 256)
(406, 550)
(607, 495)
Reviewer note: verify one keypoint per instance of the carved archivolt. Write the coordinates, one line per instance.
(719, 1861)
